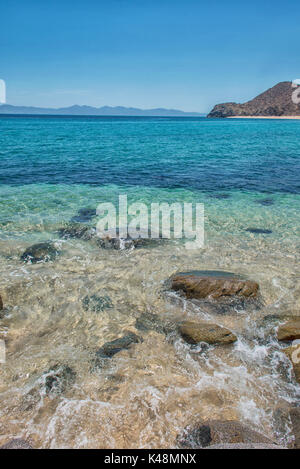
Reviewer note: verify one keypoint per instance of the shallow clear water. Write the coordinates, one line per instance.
(247, 175)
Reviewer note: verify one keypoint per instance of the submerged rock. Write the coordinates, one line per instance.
(295, 419)
(152, 322)
(1, 303)
(77, 231)
(123, 243)
(286, 419)
(17, 443)
(111, 240)
(214, 432)
(195, 332)
(40, 252)
(213, 285)
(289, 331)
(270, 319)
(84, 215)
(220, 196)
(293, 353)
(116, 243)
(30, 399)
(258, 231)
(245, 446)
(58, 378)
(96, 303)
(109, 349)
(266, 202)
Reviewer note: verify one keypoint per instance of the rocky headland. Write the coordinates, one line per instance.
(275, 102)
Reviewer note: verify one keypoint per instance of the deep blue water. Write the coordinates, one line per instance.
(212, 155)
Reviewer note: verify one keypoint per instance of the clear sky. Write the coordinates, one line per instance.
(185, 54)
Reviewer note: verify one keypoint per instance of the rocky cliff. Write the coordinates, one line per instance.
(276, 101)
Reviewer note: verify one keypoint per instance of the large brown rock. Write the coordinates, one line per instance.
(195, 332)
(293, 353)
(215, 432)
(211, 285)
(289, 331)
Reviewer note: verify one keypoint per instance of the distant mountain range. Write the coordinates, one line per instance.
(94, 111)
(276, 101)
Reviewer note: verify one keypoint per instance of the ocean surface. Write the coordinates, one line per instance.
(246, 173)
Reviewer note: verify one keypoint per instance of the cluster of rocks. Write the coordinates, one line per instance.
(222, 290)
(78, 228)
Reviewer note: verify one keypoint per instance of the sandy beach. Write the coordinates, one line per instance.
(263, 117)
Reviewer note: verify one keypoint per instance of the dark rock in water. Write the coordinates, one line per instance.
(258, 231)
(1, 303)
(117, 378)
(58, 378)
(124, 243)
(109, 349)
(152, 322)
(77, 231)
(111, 240)
(213, 432)
(116, 243)
(195, 332)
(84, 215)
(213, 285)
(197, 437)
(270, 319)
(96, 303)
(266, 202)
(17, 443)
(5, 223)
(40, 252)
(220, 196)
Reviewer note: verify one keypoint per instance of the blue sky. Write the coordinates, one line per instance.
(184, 54)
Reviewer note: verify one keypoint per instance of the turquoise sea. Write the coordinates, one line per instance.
(246, 173)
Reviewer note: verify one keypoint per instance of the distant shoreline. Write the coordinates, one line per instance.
(263, 117)
(102, 116)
